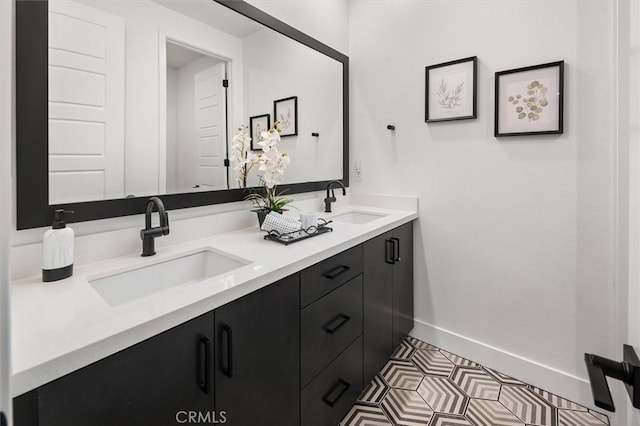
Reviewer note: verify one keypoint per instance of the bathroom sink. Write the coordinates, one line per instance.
(123, 287)
(358, 218)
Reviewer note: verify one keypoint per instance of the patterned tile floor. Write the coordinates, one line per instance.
(423, 385)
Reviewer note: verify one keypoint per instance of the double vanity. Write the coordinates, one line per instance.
(232, 328)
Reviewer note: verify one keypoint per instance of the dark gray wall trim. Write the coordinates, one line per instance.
(33, 208)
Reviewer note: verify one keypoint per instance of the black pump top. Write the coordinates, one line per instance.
(58, 218)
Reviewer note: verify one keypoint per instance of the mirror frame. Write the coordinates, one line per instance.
(32, 133)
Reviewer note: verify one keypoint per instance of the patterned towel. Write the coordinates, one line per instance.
(281, 223)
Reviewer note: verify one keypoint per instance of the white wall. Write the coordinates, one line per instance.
(515, 259)
(7, 133)
(317, 82)
(324, 20)
(172, 130)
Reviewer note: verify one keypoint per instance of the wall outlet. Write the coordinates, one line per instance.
(358, 169)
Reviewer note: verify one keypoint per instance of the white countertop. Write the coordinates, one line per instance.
(62, 326)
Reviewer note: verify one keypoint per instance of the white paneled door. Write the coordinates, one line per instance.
(210, 127)
(86, 103)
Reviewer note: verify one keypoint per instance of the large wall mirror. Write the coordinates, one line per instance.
(119, 100)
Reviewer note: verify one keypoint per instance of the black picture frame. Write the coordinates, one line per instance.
(517, 115)
(288, 123)
(253, 129)
(32, 180)
(443, 103)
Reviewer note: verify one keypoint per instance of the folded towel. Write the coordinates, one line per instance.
(280, 223)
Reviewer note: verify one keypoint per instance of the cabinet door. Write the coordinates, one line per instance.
(258, 357)
(402, 283)
(153, 382)
(378, 302)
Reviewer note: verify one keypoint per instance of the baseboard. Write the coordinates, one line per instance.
(561, 383)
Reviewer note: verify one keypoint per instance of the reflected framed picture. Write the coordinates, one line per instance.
(257, 125)
(286, 112)
(451, 90)
(530, 100)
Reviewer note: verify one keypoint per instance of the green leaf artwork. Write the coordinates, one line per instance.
(449, 99)
(531, 105)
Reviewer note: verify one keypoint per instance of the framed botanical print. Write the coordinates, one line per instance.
(285, 111)
(451, 90)
(529, 100)
(257, 125)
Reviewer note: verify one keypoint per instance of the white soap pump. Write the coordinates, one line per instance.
(57, 249)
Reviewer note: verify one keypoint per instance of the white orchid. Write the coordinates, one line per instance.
(270, 138)
(243, 160)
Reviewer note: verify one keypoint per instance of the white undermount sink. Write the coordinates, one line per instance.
(122, 287)
(357, 218)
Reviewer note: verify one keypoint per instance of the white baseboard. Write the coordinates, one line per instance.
(561, 383)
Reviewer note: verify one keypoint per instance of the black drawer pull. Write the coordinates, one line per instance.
(336, 324)
(336, 392)
(389, 248)
(337, 271)
(204, 364)
(396, 249)
(226, 351)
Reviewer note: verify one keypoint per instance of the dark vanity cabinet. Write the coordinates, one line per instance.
(388, 295)
(331, 340)
(244, 373)
(258, 357)
(148, 383)
(296, 352)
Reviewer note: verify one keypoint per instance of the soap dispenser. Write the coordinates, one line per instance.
(57, 249)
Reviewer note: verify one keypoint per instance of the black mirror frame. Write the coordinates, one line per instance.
(32, 146)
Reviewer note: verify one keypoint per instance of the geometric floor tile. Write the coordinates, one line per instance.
(601, 417)
(557, 401)
(578, 418)
(404, 351)
(476, 383)
(503, 378)
(401, 374)
(490, 413)
(440, 419)
(375, 391)
(432, 362)
(527, 406)
(442, 395)
(419, 344)
(406, 408)
(428, 386)
(458, 360)
(364, 415)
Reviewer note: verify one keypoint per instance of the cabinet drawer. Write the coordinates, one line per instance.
(329, 396)
(320, 279)
(328, 326)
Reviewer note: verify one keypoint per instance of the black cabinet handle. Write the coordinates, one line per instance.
(204, 364)
(336, 324)
(396, 249)
(335, 272)
(389, 248)
(226, 348)
(335, 393)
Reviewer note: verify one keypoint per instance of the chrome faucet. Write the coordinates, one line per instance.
(148, 234)
(331, 198)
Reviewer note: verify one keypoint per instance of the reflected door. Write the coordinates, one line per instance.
(86, 103)
(210, 127)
